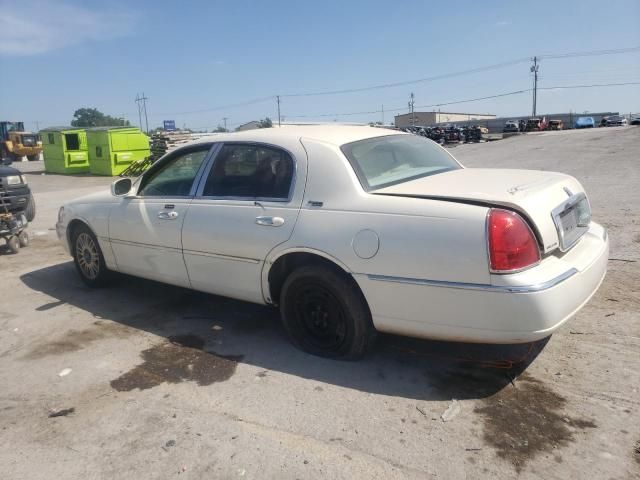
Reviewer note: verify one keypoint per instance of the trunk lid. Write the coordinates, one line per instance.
(537, 195)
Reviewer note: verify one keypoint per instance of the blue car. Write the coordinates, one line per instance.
(585, 122)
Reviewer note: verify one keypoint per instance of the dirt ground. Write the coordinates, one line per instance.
(143, 380)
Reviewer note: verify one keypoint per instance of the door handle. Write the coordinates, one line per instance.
(270, 221)
(167, 215)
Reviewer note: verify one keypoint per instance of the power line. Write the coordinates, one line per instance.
(590, 86)
(410, 82)
(222, 107)
(403, 83)
(468, 100)
(592, 53)
(465, 72)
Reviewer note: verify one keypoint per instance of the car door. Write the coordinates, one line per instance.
(247, 203)
(145, 228)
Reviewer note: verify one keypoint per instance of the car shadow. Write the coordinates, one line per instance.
(396, 366)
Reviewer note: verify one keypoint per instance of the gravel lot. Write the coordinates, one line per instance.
(166, 382)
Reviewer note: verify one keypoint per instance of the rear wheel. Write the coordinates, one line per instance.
(88, 257)
(33, 158)
(325, 313)
(30, 211)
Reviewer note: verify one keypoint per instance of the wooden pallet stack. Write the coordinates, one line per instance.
(164, 142)
(160, 144)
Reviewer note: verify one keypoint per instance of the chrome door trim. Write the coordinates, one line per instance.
(480, 286)
(223, 257)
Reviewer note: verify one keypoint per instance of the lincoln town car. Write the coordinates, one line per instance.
(350, 231)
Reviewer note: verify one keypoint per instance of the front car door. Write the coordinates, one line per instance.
(247, 204)
(145, 229)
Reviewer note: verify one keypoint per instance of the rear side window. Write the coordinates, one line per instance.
(50, 138)
(383, 161)
(250, 171)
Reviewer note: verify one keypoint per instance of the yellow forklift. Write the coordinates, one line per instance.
(15, 143)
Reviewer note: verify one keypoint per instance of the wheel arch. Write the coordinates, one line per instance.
(72, 225)
(279, 267)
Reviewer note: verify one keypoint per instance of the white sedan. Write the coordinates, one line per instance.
(350, 230)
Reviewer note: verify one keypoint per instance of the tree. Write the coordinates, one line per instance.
(92, 117)
(265, 123)
(220, 129)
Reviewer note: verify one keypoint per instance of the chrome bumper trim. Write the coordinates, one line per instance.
(480, 286)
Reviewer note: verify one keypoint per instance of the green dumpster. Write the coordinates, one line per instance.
(113, 149)
(64, 150)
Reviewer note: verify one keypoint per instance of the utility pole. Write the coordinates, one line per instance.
(224, 119)
(411, 104)
(534, 69)
(37, 126)
(278, 100)
(141, 101)
(139, 110)
(383, 114)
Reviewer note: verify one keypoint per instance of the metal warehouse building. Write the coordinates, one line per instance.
(430, 118)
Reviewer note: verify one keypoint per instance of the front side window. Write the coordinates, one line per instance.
(250, 171)
(175, 177)
(383, 161)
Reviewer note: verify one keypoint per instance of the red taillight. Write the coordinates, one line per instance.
(512, 244)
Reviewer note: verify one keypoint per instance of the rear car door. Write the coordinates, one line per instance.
(246, 205)
(145, 229)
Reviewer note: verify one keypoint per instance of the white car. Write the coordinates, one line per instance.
(350, 230)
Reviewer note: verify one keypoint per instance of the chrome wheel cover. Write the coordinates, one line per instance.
(87, 256)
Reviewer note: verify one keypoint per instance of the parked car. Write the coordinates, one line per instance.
(634, 120)
(615, 121)
(349, 231)
(511, 126)
(15, 193)
(585, 122)
(536, 125)
(556, 125)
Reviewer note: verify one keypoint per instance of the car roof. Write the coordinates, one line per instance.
(332, 134)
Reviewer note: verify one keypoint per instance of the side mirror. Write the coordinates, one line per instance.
(121, 187)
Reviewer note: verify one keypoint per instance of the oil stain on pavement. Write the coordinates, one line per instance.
(181, 358)
(75, 340)
(523, 422)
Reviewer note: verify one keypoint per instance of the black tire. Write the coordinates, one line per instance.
(23, 239)
(33, 158)
(8, 157)
(13, 244)
(88, 258)
(325, 314)
(30, 211)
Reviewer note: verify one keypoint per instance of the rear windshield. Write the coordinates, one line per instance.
(383, 161)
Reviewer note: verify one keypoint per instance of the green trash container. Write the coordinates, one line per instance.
(64, 150)
(113, 149)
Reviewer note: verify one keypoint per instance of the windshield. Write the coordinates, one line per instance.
(383, 161)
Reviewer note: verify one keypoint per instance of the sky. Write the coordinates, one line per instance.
(201, 61)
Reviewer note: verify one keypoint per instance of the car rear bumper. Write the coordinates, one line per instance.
(516, 308)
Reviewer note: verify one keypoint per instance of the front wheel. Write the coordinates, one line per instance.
(23, 239)
(13, 244)
(325, 314)
(33, 158)
(88, 257)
